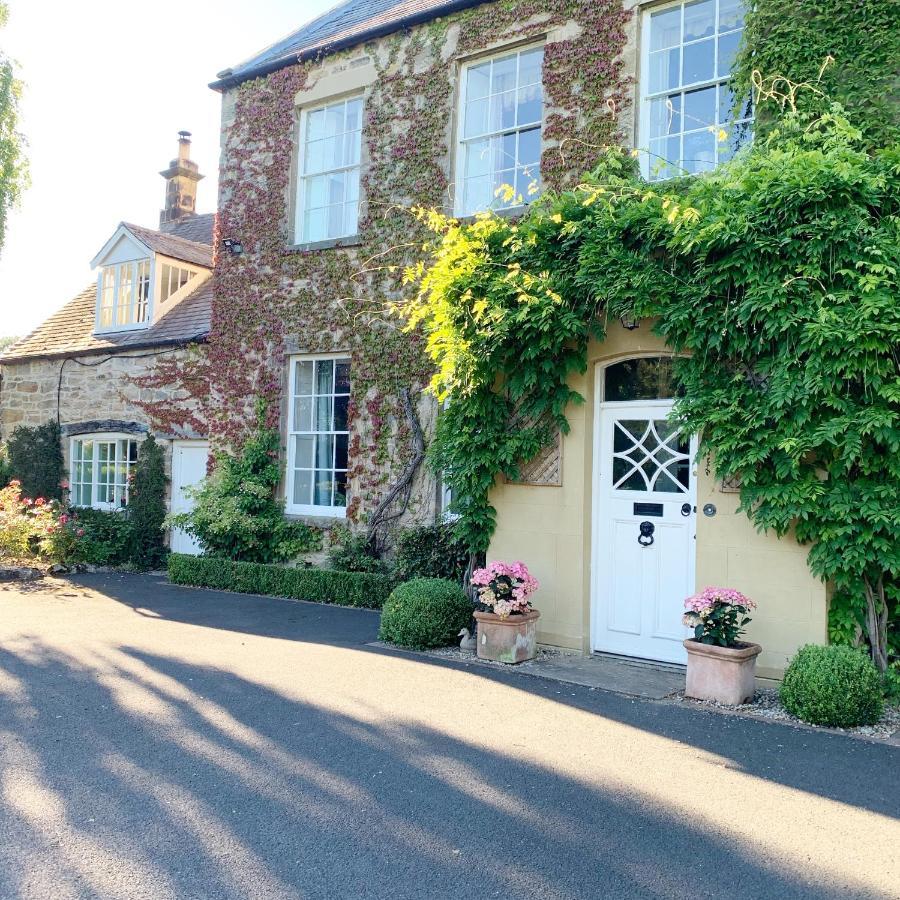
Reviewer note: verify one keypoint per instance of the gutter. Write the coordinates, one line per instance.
(111, 352)
(228, 78)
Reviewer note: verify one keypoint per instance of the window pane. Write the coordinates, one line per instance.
(303, 377)
(314, 225)
(699, 19)
(324, 488)
(529, 147)
(340, 489)
(502, 113)
(731, 14)
(728, 47)
(699, 151)
(340, 413)
(340, 451)
(700, 108)
(530, 62)
(699, 61)
(503, 74)
(323, 421)
(315, 125)
(478, 81)
(665, 115)
(665, 29)
(324, 376)
(639, 379)
(665, 68)
(342, 376)
(324, 451)
(478, 158)
(303, 451)
(314, 157)
(354, 115)
(529, 105)
(302, 494)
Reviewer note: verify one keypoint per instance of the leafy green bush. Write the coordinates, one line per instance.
(237, 514)
(430, 551)
(424, 613)
(362, 589)
(147, 506)
(104, 538)
(836, 686)
(36, 460)
(354, 553)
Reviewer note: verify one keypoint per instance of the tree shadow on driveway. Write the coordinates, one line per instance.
(135, 774)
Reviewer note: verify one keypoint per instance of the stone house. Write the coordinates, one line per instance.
(126, 356)
(328, 138)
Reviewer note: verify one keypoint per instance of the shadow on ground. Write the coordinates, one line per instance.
(215, 781)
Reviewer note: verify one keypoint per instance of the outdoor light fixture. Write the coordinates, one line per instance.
(629, 324)
(235, 248)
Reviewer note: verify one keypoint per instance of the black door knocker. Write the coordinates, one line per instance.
(645, 538)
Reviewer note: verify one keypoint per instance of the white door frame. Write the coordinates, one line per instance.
(597, 484)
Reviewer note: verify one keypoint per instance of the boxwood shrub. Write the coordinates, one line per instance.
(836, 686)
(362, 589)
(425, 613)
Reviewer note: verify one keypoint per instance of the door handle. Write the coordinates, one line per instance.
(645, 538)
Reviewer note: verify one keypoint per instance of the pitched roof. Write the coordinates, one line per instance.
(70, 331)
(345, 25)
(172, 245)
(197, 228)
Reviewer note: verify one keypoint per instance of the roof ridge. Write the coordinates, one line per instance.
(166, 234)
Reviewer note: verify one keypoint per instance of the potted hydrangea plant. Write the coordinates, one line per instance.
(720, 666)
(507, 629)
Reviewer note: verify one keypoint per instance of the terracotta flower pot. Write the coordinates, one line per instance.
(509, 640)
(724, 674)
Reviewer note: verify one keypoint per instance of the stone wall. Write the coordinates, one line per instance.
(98, 393)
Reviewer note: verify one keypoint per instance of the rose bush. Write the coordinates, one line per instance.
(36, 529)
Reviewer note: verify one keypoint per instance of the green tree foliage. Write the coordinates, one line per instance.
(35, 458)
(13, 168)
(237, 513)
(794, 37)
(147, 506)
(776, 277)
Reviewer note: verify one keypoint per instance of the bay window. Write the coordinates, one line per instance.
(328, 182)
(318, 436)
(687, 120)
(101, 470)
(498, 159)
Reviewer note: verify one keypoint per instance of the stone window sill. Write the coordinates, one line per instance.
(353, 240)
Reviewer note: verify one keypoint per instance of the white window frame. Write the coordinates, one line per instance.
(135, 265)
(459, 153)
(647, 161)
(103, 437)
(310, 509)
(300, 238)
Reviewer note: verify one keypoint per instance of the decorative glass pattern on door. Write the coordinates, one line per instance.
(650, 456)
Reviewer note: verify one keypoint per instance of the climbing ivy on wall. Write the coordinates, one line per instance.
(776, 275)
(275, 299)
(794, 37)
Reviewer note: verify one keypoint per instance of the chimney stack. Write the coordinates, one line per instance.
(181, 184)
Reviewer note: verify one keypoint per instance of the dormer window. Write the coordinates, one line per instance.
(124, 300)
(173, 279)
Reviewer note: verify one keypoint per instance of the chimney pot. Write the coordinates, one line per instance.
(181, 184)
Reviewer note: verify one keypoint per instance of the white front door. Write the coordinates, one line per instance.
(644, 529)
(188, 468)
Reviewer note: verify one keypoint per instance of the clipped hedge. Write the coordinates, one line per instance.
(363, 589)
(836, 686)
(425, 613)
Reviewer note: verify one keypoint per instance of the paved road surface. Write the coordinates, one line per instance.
(160, 742)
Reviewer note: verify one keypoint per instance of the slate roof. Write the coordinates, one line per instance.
(345, 25)
(70, 331)
(172, 245)
(193, 228)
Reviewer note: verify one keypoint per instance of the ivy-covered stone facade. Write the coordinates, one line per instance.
(278, 298)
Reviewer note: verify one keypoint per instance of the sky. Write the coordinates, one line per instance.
(108, 85)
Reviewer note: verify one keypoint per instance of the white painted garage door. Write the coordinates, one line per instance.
(188, 468)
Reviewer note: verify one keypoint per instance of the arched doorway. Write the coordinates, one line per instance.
(644, 514)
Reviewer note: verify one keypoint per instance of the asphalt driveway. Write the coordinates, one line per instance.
(164, 742)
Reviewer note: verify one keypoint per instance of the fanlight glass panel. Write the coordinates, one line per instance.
(648, 378)
(649, 455)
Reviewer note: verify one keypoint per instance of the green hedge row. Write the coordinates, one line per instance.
(318, 585)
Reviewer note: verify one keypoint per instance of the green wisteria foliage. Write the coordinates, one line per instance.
(775, 280)
(13, 168)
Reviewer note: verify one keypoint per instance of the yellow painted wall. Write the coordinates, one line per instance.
(549, 528)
